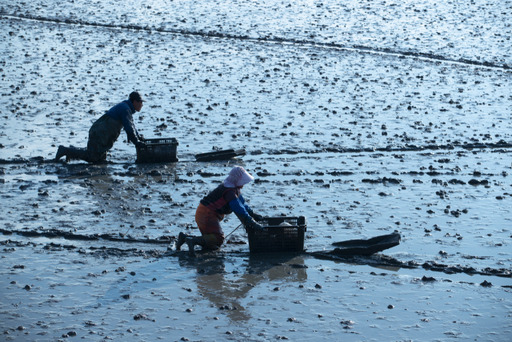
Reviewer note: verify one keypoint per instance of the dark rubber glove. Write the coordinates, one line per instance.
(251, 224)
(257, 217)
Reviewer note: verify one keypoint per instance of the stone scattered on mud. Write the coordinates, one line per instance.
(142, 316)
(69, 334)
(385, 134)
(486, 283)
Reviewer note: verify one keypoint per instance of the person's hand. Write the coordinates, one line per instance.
(258, 226)
(251, 224)
(140, 144)
(257, 217)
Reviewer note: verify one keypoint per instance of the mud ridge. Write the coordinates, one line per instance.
(383, 260)
(503, 145)
(103, 251)
(373, 260)
(500, 147)
(267, 39)
(54, 233)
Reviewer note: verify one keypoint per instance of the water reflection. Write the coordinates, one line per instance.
(227, 289)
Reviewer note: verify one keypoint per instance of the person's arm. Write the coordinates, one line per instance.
(129, 127)
(238, 206)
(251, 212)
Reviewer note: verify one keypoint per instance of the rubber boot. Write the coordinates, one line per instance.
(192, 242)
(61, 152)
(182, 238)
(73, 153)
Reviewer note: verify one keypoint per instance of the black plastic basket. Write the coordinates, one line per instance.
(280, 234)
(158, 151)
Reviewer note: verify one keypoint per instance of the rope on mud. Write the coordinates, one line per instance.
(226, 238)
(276, 40)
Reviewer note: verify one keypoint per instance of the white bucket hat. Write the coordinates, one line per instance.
(237, 177)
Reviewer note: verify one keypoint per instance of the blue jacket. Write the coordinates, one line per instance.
(123, 112)
(240, 208)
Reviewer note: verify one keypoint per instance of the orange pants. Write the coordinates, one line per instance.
(208, 222)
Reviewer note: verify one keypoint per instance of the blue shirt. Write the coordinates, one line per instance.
(240, 208)
(123, 112)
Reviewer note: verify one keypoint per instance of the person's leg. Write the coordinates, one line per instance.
(72, 153)
(61, 152)
(207, 241)
(95, 155)
(102, 136)
(208, 223)
(193, 241)
(97, 147)
(182, 238)
(213, 241)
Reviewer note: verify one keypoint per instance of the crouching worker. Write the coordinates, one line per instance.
(225, 199)
(105, 131)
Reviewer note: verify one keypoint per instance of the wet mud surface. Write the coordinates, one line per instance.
(396, 118)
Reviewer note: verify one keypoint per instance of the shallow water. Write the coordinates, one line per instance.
(365, 126)
(98, 296)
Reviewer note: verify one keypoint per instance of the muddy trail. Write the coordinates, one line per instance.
(365, 117)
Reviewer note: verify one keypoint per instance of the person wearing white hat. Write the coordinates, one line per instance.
(223, 200)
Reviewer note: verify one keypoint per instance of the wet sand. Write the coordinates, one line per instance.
(366, 126)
